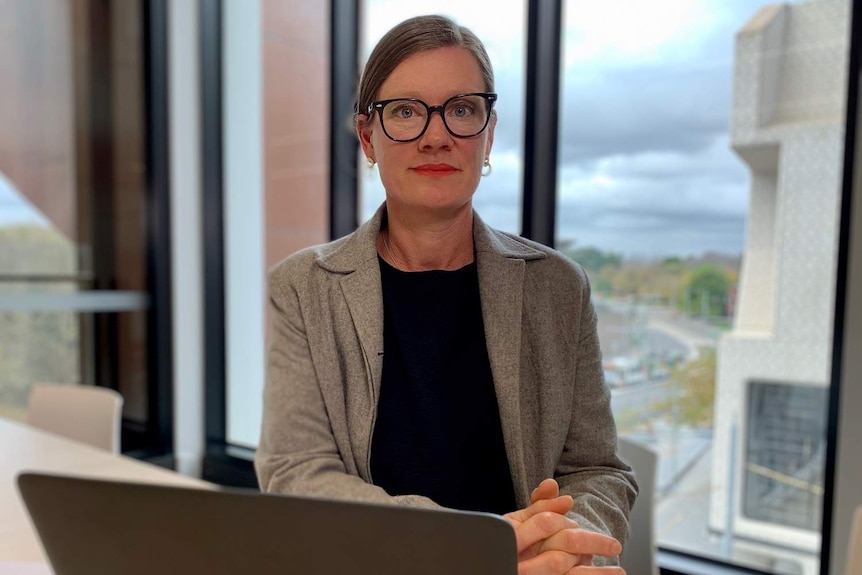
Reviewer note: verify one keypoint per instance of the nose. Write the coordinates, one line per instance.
(436, 135)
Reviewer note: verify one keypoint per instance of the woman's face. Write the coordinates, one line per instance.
(438, 172)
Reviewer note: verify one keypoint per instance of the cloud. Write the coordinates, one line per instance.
(635, 110)
(645, 166)
(657, 203)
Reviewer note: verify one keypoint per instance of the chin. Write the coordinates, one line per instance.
(447, 203)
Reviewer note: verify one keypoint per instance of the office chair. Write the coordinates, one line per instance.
(84, 413)
(638, 556)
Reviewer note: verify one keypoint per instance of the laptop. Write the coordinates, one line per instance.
(97, 527)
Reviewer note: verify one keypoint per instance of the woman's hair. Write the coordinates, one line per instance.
(410, 37)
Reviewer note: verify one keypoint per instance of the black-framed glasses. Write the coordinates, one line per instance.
(406, 119)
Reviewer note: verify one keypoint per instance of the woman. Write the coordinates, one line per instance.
(429, 360)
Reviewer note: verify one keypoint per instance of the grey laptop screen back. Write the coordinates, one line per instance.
(91, 526)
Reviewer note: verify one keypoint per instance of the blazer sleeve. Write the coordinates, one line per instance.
(298, 454)
(603, 487)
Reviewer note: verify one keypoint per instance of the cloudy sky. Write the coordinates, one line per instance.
(645, 162)
(646, 167)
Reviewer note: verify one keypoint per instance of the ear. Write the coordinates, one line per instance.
(364, 130)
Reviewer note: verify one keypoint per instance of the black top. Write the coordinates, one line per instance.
(437, 431)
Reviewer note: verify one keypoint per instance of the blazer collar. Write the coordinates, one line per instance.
(355, 250)
(360, 248)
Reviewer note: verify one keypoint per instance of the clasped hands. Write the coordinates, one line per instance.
(550, 543)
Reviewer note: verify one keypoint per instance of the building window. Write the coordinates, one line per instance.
(785, 453)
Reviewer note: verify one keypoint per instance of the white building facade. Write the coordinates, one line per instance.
(773, 373)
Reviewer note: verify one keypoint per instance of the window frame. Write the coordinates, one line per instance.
(230, 465)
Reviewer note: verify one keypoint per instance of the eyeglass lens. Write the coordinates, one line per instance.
(406, 119)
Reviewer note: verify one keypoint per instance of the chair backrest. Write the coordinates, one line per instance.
(854, 545)
(638, 556)
(85, 413)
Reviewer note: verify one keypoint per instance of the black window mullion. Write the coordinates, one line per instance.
(541, 113)
(159, 332)
(223, 464)
(215, 392)
(842, 280)
(344, 46)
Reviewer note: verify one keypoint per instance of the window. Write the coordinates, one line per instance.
(682, 190)
(701, 155)
(276, 168)
(785, 447)
(75, 278)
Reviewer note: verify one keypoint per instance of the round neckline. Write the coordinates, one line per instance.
(389, 266)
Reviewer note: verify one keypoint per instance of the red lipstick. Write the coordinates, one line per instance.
(435, 170)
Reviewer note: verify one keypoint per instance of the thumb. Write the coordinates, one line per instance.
(547, 489)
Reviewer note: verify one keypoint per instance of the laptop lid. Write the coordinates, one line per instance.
(90, 526)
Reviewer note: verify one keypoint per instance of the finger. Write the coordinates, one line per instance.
(583, 542)
(540, 527)
(561, 505)
(592, 570)
(547, 489)
(550, 563)
(530, 551)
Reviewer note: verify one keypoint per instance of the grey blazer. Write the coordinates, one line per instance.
(325, 362)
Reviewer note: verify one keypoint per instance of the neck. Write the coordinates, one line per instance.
(412, 243)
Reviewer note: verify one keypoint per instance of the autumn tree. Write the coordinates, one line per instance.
(694, 383)
(706, 291)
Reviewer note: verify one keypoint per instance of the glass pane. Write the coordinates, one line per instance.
(700, 180)
(24, 337)
(58, 347)
(72, 198)
(498, 199)
(294, 202)
(786, 441)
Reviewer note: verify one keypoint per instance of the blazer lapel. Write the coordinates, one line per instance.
(500, 289)
(501, 267)
(355, 261)
(364, 295)
(358, 276)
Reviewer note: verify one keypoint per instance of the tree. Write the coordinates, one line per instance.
(706, 291)
(694, 382)
(591, 258)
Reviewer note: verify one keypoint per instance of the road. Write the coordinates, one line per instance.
(645, 399)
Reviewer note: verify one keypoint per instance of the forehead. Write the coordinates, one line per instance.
(434, 75)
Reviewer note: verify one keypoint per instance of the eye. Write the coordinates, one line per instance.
(462, 109)
(404, 110)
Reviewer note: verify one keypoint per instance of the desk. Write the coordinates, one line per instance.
(23, 448)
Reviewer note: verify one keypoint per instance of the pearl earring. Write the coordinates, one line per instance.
(371, 162)
(486, 164)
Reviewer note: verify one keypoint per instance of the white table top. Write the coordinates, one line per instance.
(23, 448)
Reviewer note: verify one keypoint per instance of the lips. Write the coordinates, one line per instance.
(435, 170)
